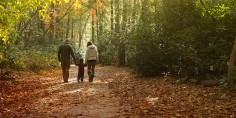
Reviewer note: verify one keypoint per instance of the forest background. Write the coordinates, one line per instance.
(183, 38)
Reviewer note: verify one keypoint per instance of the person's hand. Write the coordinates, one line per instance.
(76, 64)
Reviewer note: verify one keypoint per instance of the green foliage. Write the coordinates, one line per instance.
(10, 58)
(183, 37)
(12, 13)
(35, 58)
(186, 46)
(30, 31)
(41, 57)
(106, 48)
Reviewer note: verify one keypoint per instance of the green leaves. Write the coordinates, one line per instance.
(217, 10)
(13, 12)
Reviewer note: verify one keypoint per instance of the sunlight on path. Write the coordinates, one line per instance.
(76, 99)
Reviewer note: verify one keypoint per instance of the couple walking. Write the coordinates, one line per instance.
(91, 58)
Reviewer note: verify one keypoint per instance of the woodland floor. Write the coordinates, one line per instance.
(115, 92)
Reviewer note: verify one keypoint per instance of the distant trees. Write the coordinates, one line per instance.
(30, 31)
(181, 37)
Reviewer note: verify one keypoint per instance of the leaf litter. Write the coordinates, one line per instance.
(116, 92)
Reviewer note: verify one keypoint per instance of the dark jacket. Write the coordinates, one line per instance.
(64, 52)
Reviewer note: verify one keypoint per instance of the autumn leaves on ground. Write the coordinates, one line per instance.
(115, 92)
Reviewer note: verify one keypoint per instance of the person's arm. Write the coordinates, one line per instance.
(72, 54)
(97, 54)
(76, 63)
(86, 56)
(59, 54)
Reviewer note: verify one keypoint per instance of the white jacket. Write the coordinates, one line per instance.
(91, 53)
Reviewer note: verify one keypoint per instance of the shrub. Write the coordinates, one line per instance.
(34, 58)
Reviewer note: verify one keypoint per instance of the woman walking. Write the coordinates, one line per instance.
(91, 58)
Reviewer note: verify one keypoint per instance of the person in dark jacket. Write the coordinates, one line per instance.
(64, 53)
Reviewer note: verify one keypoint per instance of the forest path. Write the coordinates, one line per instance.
(115, 93)
(75, 99)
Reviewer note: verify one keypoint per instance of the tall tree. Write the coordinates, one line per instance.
(82, 27)
(121, 48)
(231, 80)
(134, 11)
(68, 26)
(100, 8)
(72, 29)
(52, 22)
(117, 16)
(93, 22)
(112, 16)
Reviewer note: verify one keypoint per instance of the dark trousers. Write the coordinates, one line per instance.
(80, 77)
(91, 69)
(65, 66)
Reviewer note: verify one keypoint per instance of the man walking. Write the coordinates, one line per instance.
(64, 52)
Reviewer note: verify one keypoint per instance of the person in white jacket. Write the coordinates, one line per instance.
(91, 58)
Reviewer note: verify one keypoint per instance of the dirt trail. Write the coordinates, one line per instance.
(86, 99)
(117, 93)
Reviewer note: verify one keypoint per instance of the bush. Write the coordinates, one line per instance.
(107, 49)
(33, 58)
(41, 57)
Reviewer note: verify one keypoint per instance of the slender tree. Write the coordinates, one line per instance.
(231, 80)
(112, 16)
(82, 28)
(72, 28)
(52, 22)
(68, 26)
(93, 22)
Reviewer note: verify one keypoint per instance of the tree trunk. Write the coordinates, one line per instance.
(121, 50)
(82, 29)
(68, 27)
(52, 33)
(44, 32)
(100, 15)
(117, 17)
(231, 80)
(144, 16)
(112, 16)
(101, 23)
(72, 29)
(125, 12)
(133, 15)
(93, 28)
(120, 42)
(98, 21)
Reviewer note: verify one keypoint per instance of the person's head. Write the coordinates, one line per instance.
(67, 41)
(89, 43)
(81, 60)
